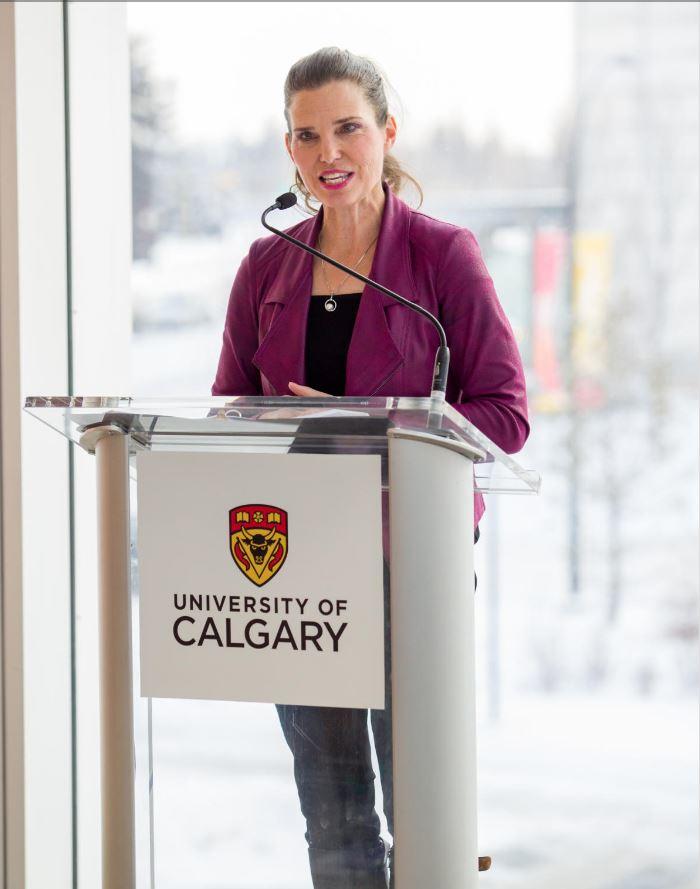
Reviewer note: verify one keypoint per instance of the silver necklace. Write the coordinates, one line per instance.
(330, 304)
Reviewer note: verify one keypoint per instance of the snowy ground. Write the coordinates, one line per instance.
(588, 778)
(590, 792)
(574, 793)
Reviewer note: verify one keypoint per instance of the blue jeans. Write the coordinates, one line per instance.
(335, 781)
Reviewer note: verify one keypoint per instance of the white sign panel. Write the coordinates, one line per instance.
(261, 578)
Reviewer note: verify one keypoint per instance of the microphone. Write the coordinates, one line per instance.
(283, 202)
(442, 358)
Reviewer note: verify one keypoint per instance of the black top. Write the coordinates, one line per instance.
(327, 340)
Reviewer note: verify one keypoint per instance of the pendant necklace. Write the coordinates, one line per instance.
(330, 304)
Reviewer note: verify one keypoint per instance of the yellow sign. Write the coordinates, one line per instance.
(592, 274)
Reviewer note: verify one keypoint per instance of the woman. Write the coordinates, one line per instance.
(297, 326)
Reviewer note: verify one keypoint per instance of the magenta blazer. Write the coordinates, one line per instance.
(392, 350)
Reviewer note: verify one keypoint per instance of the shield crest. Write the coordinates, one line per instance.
(258, 540)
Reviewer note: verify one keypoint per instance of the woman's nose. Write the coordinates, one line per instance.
(329, 149)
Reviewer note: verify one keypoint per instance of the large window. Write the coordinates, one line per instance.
(565, 136)
(544, 129)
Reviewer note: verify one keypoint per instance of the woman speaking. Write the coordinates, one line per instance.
(296, 325)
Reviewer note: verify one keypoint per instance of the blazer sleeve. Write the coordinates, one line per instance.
(486, 382)
(236, 374)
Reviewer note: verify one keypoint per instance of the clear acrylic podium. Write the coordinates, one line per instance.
(432, 460)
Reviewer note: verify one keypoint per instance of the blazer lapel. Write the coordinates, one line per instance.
(280, 356)
(374, 355)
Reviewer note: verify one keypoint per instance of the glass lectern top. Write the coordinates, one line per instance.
(244, 423)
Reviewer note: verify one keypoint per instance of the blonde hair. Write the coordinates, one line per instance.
(329, 64)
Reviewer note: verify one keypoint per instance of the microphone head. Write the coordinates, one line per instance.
(285, 201)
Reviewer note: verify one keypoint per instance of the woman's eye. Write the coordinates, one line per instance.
(309, 136)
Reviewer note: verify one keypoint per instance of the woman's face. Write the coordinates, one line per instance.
(336, 143)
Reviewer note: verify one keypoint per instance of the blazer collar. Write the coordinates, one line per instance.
(373, 355)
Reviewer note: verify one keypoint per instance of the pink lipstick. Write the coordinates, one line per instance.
(333, 180)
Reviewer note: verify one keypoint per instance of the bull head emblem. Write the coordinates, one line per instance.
(258, 544)
(258, 540)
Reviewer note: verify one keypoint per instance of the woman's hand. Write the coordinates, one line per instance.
(307, 391)
(294, 413)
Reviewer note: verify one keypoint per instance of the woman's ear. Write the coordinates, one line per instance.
(390, 133)
(287, 145)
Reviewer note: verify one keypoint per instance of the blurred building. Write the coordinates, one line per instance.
(634, 175)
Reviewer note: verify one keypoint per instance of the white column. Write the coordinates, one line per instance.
(45, 482)
(11, 641)
(432, 637)
(116, 691)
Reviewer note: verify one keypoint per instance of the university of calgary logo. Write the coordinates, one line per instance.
(258, 536)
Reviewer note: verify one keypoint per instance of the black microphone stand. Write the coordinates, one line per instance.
(442, 358)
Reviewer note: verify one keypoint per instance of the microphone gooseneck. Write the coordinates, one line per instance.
(442, 358)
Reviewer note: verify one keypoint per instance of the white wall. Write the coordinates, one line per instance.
(101, 255)
(34, 343)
